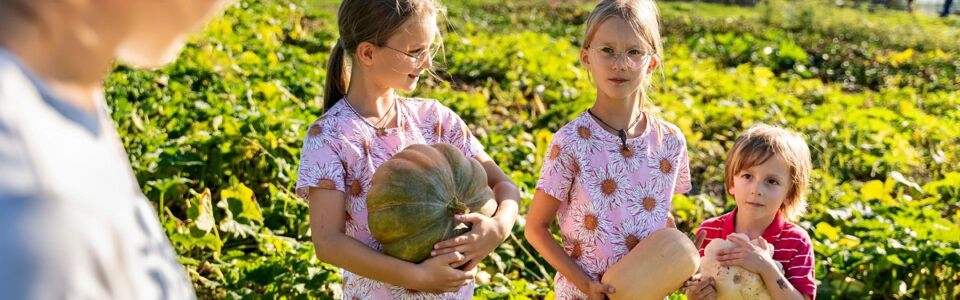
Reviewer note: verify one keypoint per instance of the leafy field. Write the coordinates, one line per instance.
(215, 138)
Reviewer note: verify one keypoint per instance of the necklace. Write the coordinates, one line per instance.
(622, 133)
(381, 130)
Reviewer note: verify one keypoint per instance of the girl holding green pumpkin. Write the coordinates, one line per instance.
(389, 44)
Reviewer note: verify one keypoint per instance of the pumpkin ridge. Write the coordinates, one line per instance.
(446, 173)
(455, 165)
(381, 207)
(390, 229)
(471, 171)
(424, 233)
(428, 228)
(481, 198)
(416, 170)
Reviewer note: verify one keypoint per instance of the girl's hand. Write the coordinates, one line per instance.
(484, 236)
(598, 291)
(437, 274)
(671, 222)
(698, 288)
(753, 258)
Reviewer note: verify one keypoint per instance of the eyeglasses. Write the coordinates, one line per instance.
(633, 58)
(418, 57)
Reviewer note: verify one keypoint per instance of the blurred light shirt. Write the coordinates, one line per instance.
(74, 223)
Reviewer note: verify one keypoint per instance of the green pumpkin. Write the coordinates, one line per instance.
(414, 196)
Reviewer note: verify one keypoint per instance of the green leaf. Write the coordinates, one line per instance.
(894, 260)
(873, 189)
(239, 201)
(232, 226)
(901, 179)
(832, 233)
(200, 211)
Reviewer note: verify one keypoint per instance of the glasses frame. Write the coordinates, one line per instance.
(617, 56)
(419, 58)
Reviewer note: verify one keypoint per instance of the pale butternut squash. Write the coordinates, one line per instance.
(655, 268)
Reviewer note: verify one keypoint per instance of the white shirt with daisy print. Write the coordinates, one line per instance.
(611, 198)
(341, 152)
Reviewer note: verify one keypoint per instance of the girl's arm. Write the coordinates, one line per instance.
(506, 193)
(333, 246)
(539, 218)
(486, 233)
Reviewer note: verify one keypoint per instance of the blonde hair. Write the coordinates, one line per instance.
(373, 21)
(761, 142)
(644, 18)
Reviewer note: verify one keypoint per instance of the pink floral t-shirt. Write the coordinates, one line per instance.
(611, 198)
(341, 152)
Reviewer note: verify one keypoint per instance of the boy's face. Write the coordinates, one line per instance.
(761, 190)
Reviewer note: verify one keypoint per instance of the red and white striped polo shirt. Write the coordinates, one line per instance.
(791, 244)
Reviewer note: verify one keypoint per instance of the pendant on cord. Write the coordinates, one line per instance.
(623, 139)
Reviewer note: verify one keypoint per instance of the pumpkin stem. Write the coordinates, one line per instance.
(457, 207)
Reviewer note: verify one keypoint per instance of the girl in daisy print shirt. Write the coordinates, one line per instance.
(388, 43)
(609, 174)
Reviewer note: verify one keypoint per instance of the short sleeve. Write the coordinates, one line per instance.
(682, 185)
(556, 174)
(712, 230)
(799, 271)
(320, 163)
(456, 132)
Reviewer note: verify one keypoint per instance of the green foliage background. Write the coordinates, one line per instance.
(215, 137)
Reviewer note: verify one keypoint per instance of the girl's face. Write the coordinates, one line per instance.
(618, 58)
(400, 62)
(153, 32)
(761, 190)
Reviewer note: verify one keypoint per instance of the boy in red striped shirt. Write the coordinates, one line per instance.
(766, 173)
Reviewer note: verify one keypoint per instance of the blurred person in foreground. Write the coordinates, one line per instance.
(73, 220)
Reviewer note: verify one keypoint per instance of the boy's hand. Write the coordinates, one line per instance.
(753, 258)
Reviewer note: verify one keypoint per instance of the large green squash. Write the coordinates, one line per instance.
(414, 196)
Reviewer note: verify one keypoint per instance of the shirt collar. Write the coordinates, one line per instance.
(771, 233)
